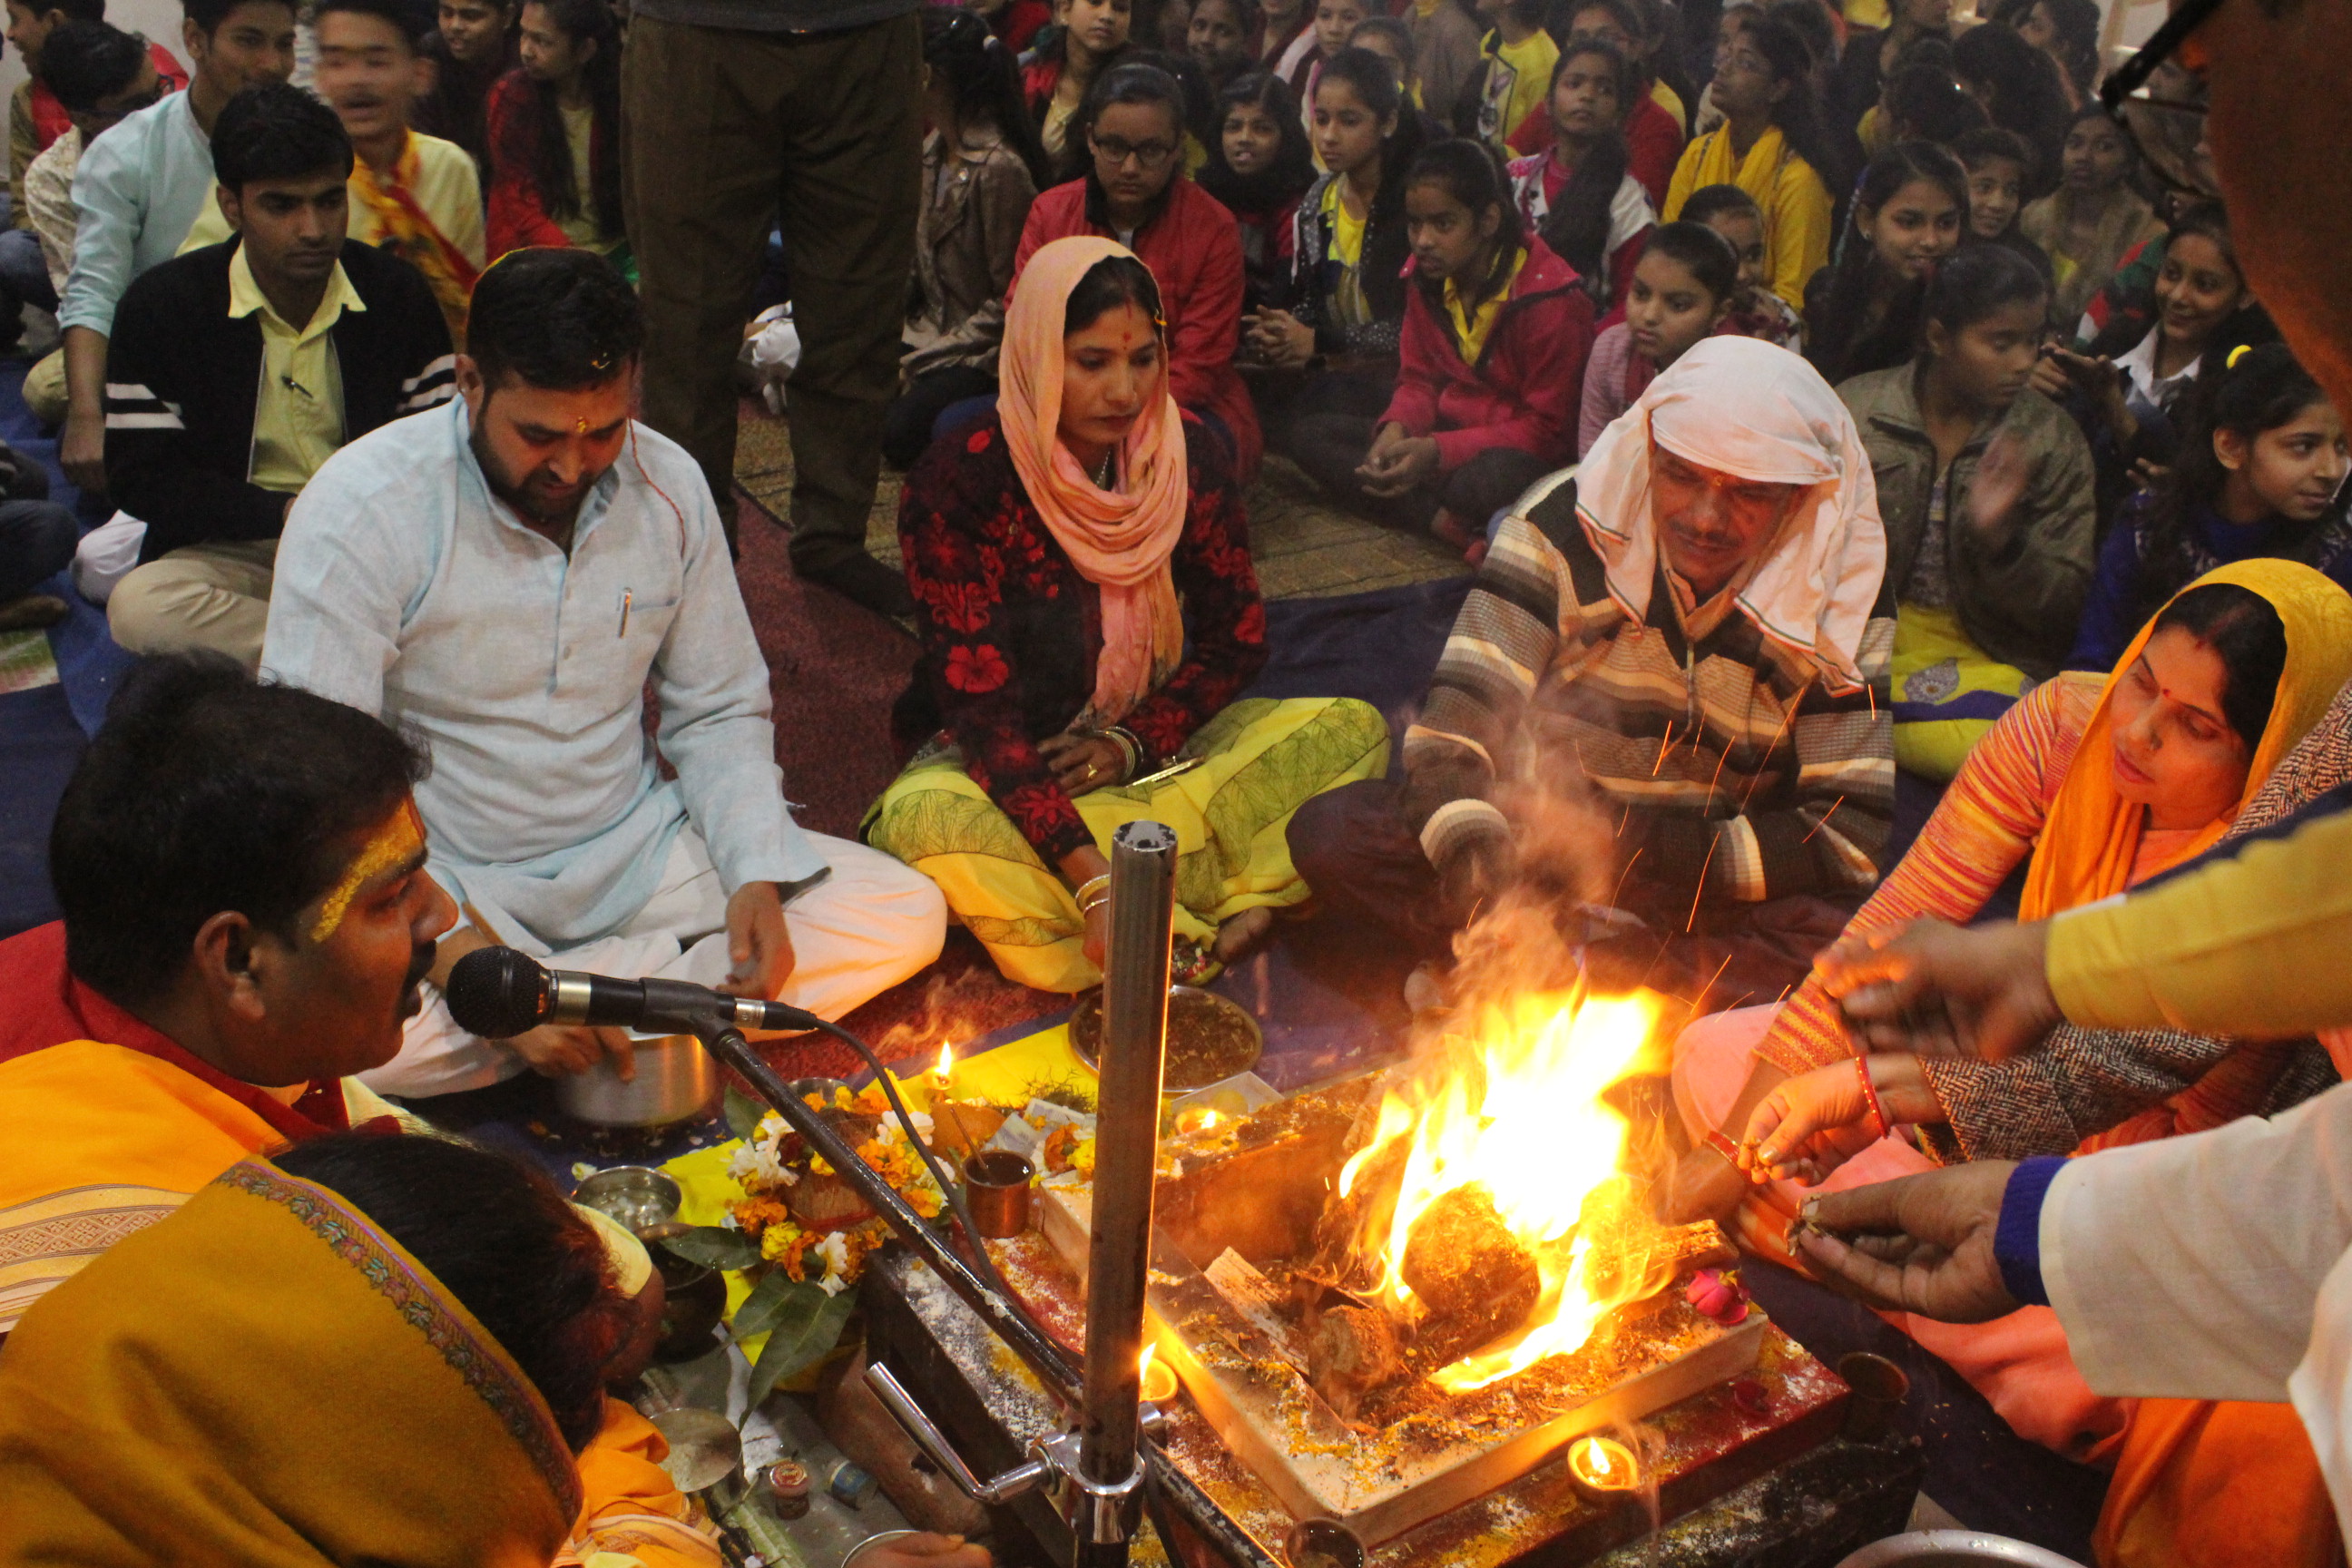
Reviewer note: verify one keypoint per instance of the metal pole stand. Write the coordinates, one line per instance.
(1097, 1470)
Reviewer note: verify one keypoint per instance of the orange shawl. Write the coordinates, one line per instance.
(1120, 539)
(265, 1378)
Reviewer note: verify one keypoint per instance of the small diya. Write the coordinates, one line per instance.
(1159, 1380)
(1603, 1469)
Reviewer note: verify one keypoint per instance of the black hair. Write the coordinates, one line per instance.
(2094, 113)
(1698, 249)
(1987, 142)
(1712, 201)
(2206, 220)
(555, 316)
(585, 21)
(1390, 27)
(1927, 103)
(85, 61)
(495, 1234)
(2027, 94)
(1798, 115)
(1132, 80)
(278, 132)
(2240, 627)
(1526, 13)
(1810, 22)
(1269, 190)
(2074, 23)
(75, 10)
(208, 14)
(1470, 172)
(415, 19)
(1576, 226)
(983, 82)
(1863, 320)
(1113, 281)
(1978, 282)
(2264, 388)
(1367, 76)
(207, 793)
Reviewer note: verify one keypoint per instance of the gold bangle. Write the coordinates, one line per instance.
(1090, 884)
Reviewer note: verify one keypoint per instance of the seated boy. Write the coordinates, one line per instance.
(236, 369)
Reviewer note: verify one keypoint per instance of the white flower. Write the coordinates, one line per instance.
(755, 1167)
(834, 1249)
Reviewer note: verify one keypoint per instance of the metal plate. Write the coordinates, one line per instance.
(1183, 1002)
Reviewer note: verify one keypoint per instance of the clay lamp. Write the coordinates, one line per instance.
(1159, 1380)
(1603, 1469)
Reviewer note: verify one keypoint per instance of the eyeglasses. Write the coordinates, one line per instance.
(2159, 103)
(1148, 155)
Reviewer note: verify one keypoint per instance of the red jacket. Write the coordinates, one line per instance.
(1523, 392)
(517, 212)
(1654, 144)
(1194, 250)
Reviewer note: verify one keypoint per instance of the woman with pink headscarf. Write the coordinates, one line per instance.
(1089, 613)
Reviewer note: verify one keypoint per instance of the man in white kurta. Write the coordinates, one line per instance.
(512, 616)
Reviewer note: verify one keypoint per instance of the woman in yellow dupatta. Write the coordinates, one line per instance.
(269, 1378)
(2197, 1484)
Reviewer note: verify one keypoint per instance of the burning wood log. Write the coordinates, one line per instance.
(1352, 1232)
(1475, 1281)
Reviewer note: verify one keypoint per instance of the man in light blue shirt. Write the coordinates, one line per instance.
(138, 188)
(503, 577)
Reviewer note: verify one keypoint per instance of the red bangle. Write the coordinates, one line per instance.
(1870, 1093)
(1715, 1141)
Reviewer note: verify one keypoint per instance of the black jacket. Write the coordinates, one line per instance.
(182, 376)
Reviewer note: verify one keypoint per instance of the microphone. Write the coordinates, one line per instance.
(498, 993)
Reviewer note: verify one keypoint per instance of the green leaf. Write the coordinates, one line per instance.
(807, 1326)
(714, 1247)
(765, 1304)
(744, 1114)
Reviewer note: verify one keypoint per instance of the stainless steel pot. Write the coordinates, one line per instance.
(1954, 1549)
(676, 1079)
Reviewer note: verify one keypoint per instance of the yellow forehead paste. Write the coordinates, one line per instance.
(395, 845)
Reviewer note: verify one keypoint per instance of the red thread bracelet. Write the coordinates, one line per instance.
(1870, 1093)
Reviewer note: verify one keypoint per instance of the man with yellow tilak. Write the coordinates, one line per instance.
(247, 921)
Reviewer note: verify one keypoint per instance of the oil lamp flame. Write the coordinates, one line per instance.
(1604, 1467)
(1157, 1381)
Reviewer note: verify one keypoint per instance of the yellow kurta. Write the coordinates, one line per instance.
(1795, 205)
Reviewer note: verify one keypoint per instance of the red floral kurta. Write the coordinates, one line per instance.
(1011, 630)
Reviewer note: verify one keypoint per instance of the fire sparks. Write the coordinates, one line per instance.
(1522, 1117)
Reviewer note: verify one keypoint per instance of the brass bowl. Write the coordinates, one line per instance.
(1209, 1037)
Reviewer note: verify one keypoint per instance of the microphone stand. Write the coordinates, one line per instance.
(1108, 1467)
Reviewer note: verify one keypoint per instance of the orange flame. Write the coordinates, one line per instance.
(1526, 1121)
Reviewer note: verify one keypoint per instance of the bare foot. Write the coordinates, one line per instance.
(1244, 934)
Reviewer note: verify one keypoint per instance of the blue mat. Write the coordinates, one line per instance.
(40, 744)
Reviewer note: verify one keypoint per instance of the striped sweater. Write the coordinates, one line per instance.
(1733, 775)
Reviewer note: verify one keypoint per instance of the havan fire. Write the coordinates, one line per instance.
(1494, 1217)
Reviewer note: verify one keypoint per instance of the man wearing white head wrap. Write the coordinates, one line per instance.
(1689, 630)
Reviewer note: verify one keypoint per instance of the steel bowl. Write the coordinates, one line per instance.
(1953, 1549)
(871, 1542)
(638, 1196)
(1181, 1075)
(676, 1081)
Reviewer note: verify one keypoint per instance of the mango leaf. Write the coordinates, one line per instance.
(764, 1305)
(744, 1114)
(714, 1247)
(806, 1326)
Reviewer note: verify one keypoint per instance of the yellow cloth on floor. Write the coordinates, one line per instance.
(1942, 682)
(1261, 759)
